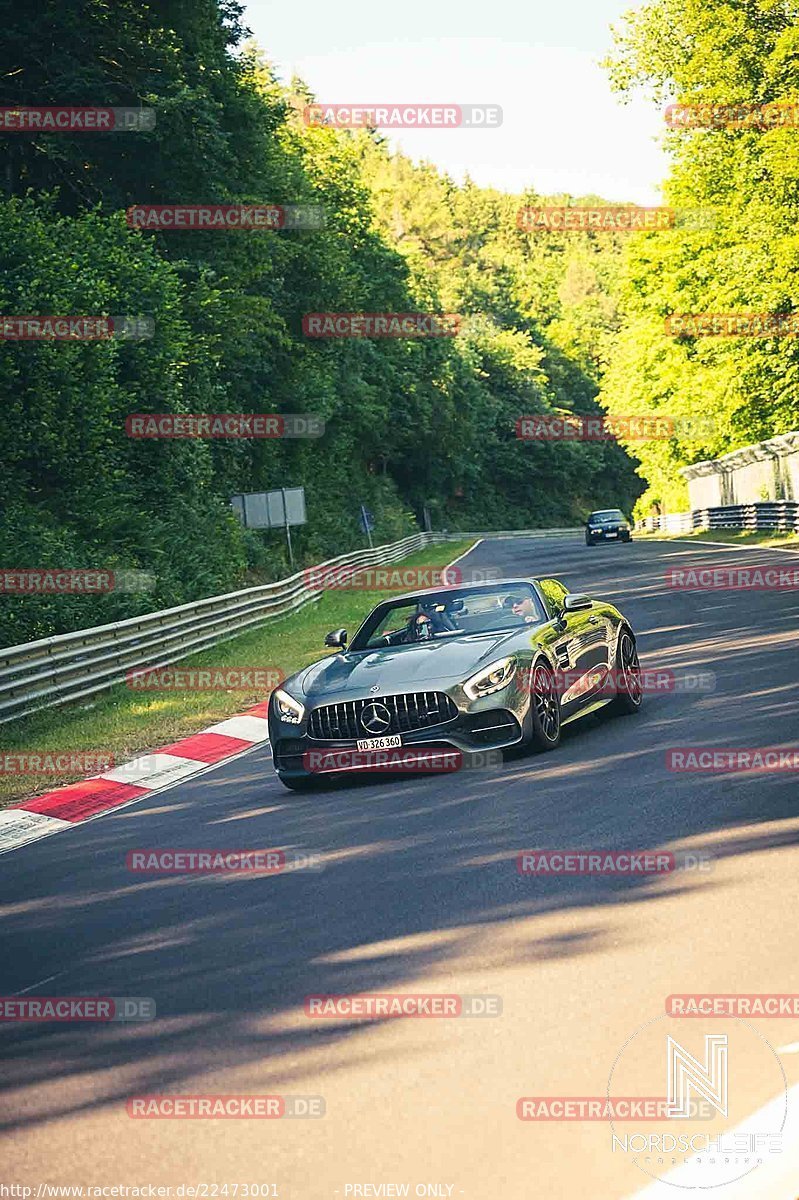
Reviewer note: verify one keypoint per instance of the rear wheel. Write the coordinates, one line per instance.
(544, 708)
(629, 690)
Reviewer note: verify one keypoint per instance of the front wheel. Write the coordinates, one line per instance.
(544, 708)
(629, 690)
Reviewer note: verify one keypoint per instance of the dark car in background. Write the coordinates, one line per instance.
(607, 525)
(463, 670)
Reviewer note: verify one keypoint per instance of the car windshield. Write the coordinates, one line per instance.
(435, 616)
(607, 514)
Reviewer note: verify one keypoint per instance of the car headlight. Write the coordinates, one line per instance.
(287, 708)
(595, 529)
(491, 679)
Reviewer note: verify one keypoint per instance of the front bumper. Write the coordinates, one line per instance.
(612, 534)
(490, 723)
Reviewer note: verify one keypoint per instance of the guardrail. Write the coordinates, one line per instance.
(668, 523)
(776, 514)
(766, 515)
(70, 666)
(521, 533)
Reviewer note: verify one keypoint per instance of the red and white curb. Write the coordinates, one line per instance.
(98, 794)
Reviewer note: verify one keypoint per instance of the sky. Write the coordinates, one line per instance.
(563, 129)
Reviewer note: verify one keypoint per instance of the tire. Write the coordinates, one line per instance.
(589, 541)
(628, 698)
(544, 708)
(299, 783)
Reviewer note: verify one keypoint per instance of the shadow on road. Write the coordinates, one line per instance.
(414, 870)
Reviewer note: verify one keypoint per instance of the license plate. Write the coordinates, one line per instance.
(611, 535)
(384, 743)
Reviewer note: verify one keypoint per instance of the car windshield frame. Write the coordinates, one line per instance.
(526, 588)
(607, 514)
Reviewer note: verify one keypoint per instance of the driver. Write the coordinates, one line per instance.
(430, 618)
(522, 606)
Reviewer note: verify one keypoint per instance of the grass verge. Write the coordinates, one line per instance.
(731, 537)
(126, 722)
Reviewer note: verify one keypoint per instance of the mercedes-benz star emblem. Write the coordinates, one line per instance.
(375, 717)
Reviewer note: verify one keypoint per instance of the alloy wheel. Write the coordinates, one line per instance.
(630, 669)
(547, 705)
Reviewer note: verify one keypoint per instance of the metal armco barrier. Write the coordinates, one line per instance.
(771, 514)
(668, 523)
(70, 666)
(520, 533)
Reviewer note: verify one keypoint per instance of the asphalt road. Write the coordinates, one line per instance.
(420, 893)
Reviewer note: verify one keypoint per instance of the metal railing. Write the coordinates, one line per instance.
(668, 523)
(782, 515)
(521, 533)
(71, 666)
(772, 514)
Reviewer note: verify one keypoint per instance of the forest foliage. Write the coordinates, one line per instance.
(735, 65)
(410, 423)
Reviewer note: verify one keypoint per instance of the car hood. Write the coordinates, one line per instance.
(405, 668)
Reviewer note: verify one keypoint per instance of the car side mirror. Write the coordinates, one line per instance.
(576, 602)
(337, 638)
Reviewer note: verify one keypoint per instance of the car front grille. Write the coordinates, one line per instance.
(412, 710)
